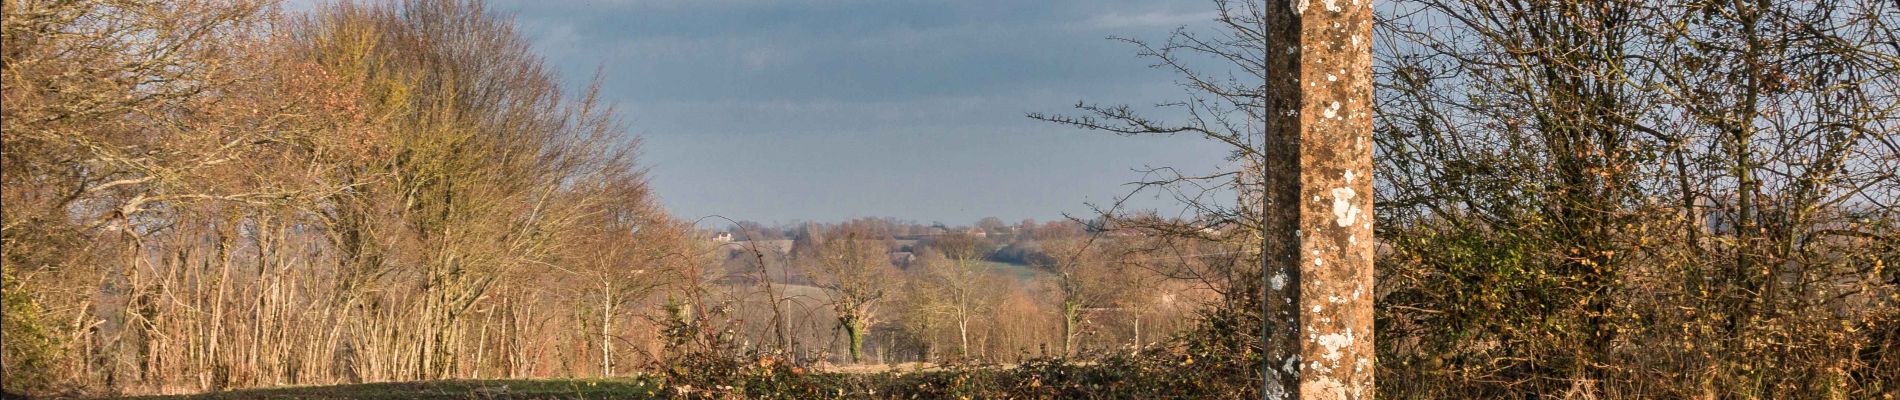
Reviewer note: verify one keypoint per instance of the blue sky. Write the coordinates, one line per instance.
(825, 110)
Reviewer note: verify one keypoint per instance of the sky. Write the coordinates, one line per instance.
(825, 110)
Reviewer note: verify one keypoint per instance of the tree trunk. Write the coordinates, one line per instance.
(1137, 329)
(606, 332)
(854, 334)
(963, 335)
(220, 369)
(1071, 313)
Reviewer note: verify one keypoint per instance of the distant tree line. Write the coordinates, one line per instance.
(906, 292)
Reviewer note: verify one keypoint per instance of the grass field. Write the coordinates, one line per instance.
(1022, 273)
(616, 388)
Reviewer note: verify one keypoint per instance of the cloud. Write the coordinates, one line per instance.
(761, 58)
(832, 108)
(1151, 19)
(554, 39)
(965, 115)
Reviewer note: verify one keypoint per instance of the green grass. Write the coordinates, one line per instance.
(614, 388)
(1022, 273)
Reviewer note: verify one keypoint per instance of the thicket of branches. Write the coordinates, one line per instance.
(1698, 198)
(210, 194)
(1624, 199)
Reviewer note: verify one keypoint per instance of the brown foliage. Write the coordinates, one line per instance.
(1625, 199)
(211, 194)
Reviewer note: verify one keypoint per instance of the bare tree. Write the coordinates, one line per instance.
(1085, 279)
(853, 266)
(217, 194)
(951, 284)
